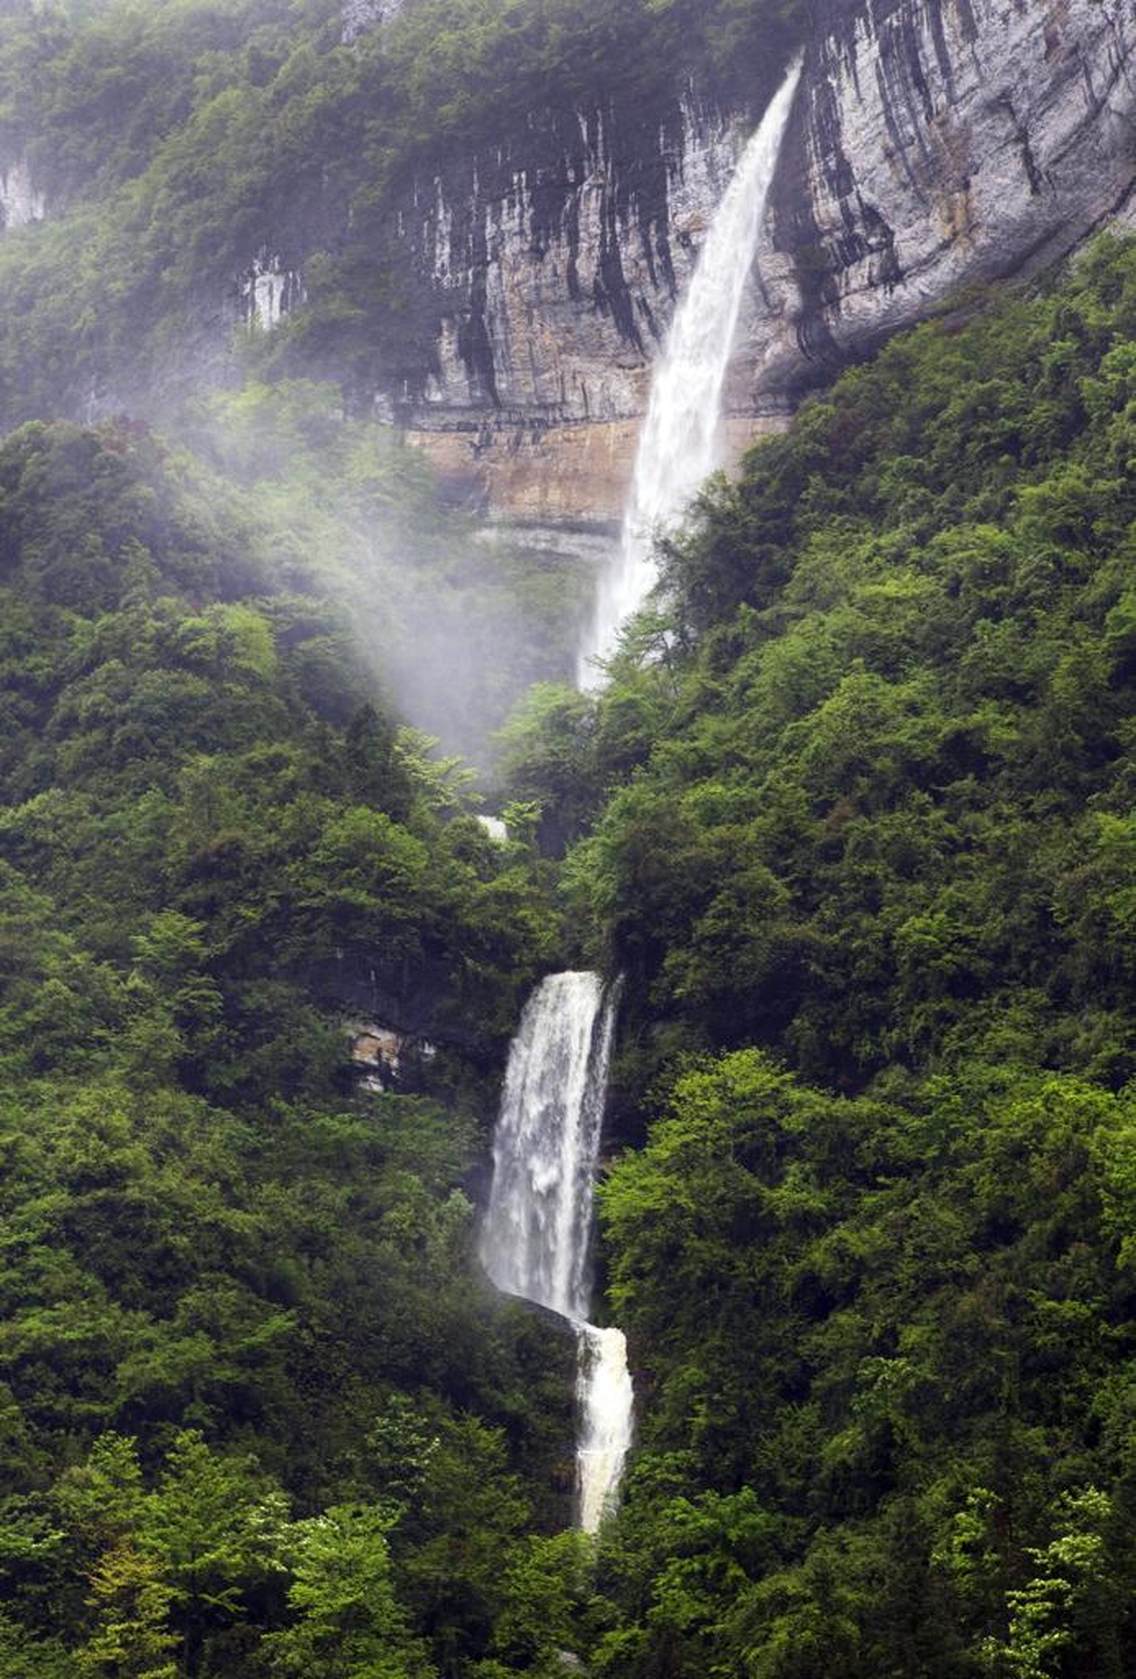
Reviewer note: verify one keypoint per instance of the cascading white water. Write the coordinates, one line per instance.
(536, 1232)
(535, 1238)
(606, 1399)
(537, 1229)
(679, 440)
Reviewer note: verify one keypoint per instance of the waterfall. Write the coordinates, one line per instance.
(537, 1229)
(679, 441)
(605, 1397)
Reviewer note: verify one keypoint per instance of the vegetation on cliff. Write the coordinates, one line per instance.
(251, 129)
(851, 817)
(854, 818)
(252, 1385)
(863, 847)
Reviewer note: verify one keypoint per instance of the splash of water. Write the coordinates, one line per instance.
(537, 1229)
(606, 1400)
(679, 441)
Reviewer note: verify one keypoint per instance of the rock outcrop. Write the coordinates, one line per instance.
(359, 15)
(385, 1059)
(934, 145)
(554, 267)
(269, 291)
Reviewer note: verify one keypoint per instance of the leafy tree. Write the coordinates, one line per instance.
(349, 1624)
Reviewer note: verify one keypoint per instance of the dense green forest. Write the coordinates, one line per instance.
(243, 1334)
(853, 818)
(861, 839)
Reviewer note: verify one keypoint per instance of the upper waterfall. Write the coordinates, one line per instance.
(678, 443)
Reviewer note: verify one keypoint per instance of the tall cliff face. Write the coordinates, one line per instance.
(937, 143)
(553, 266)
(934, 144)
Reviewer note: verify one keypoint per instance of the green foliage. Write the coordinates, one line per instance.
(251, 127)
(251, 1388)
(892, 780)
(854, 819)
(869, 881)
(884, 1332)
(349, 1622)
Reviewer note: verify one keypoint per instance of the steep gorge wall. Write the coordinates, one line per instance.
(934, 144)
(554, 267)
(937, 144)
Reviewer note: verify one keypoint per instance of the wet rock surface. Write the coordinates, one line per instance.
(934, 145)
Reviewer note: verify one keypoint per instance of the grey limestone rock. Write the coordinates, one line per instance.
(554, 271)
(360, 15)
(934, 145)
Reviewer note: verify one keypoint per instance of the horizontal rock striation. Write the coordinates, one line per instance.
(554, 271)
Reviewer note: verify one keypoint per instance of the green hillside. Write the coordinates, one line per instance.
(863, 830)
(176, 139)
(853, 819)
(238, 1292)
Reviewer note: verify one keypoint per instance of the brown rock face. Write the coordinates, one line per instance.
(573, 473)
(934, 144)
(576, 474)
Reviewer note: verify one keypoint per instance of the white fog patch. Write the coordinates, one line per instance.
(21, 202)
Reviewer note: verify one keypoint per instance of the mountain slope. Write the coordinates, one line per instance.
(864, 855)
(239, 1284)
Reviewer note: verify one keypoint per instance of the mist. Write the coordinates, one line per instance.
(140, 291)
(452, 616)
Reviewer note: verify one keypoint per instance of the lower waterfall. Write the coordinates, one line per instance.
(606, 1400)
(537, 1229)
(678, 442)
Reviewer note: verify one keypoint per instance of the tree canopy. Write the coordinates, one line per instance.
(852, 819)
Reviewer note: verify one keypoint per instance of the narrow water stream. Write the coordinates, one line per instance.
(537, 1230)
